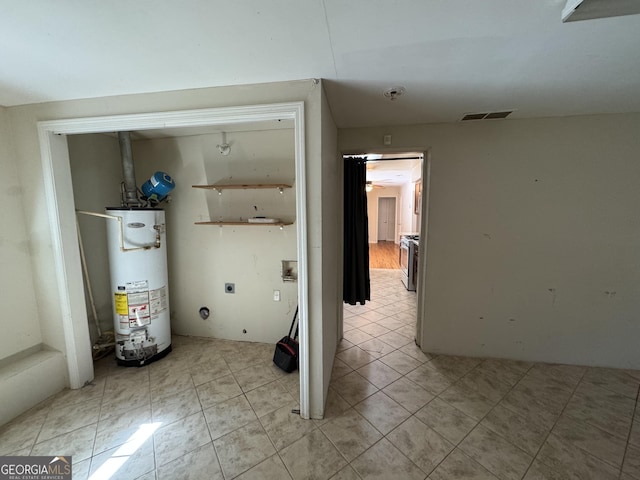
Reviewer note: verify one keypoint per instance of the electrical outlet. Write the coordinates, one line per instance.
(276, 295)
(230, 288)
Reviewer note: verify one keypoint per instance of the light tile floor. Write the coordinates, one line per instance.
(216, 409)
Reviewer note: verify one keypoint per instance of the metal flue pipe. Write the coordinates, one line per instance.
(130, 197)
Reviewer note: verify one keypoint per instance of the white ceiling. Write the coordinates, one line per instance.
(453, 56)
(390, 173)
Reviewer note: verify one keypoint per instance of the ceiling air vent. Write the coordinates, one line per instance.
(486, 115)
(498, 115)
(591, 9)
(474, 116)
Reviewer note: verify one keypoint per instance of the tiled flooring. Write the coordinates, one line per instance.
(216, 409)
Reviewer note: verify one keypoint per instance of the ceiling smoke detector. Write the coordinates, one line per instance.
(394, 92)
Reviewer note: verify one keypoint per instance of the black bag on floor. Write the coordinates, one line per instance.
(286, 354)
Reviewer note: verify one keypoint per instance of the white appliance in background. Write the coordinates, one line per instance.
(407, 261)
(138, 266)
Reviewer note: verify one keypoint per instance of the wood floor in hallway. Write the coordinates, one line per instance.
(384, 255)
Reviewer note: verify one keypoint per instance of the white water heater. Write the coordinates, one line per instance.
(136, 240)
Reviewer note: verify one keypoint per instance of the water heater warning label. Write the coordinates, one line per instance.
(138, 298)
(158, 301)
(140, 285)
(133, 306)
(139, 305)
(139, 311)
(122, 307)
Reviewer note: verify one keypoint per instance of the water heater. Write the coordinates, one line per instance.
(136, 241)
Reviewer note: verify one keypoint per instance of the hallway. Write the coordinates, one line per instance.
(384, 255)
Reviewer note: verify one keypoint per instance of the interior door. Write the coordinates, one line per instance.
(386, 219)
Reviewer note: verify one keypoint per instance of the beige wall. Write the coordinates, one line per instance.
(332, 192)
(533, 239)
(203, 258)
(24, 120)
(96, 174)
(19, 319)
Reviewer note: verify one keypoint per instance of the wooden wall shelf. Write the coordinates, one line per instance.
(250, 224)
(243, 186)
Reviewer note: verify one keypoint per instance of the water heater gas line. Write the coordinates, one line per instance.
(87, 279)
(130, 198)
(158, 228)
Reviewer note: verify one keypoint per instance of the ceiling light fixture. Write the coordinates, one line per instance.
(393, 93)
(224, 147)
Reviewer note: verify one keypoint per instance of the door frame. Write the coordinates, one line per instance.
(421, 292)
(421, 330)
(61, 214)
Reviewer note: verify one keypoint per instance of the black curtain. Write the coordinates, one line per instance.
(357, 287)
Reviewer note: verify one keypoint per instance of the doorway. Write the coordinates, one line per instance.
(392, 180)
